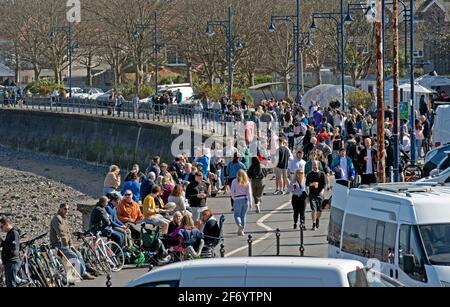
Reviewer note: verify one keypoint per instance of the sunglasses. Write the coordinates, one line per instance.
(128, 194)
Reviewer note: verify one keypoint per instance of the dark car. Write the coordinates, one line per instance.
(434, 157)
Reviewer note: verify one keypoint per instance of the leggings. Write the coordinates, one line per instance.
(299, 206)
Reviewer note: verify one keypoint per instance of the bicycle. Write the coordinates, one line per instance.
(100, 255)
(59, 273)
(32, 269)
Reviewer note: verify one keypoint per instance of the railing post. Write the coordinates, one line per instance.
(222, 250)
(302, 245)
(250, 242)
(277, 234)
(108, 281)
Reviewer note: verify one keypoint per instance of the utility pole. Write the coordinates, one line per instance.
(396, 90)
(380, 98)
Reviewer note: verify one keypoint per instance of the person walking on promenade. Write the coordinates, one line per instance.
(315, 183)
(298, 190)
(256, 175)
(241, 192)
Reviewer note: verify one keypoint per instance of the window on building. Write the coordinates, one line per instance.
(174, 57)
(418, 53)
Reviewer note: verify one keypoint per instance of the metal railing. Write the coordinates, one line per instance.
(212, 121)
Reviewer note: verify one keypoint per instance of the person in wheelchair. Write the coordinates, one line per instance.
(186, 239)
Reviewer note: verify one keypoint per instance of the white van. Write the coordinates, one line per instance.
(402, 229)
(441, 127)
(262, 272)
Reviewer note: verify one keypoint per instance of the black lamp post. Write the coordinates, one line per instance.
(232, 43)
(70, 47)
(156, 45)
(299, 38)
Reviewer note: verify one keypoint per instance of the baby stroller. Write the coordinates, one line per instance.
(209, 249)
(190, 245)
(152, 252)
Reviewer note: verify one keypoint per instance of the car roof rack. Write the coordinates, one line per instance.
(404, 188)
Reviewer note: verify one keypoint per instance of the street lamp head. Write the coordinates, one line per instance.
(239, 44)
(272, 28)
(136, 33)
(371, 13)
(209, 31)
(309, 43)
(348, 19)
(313, 25)
(52, 34)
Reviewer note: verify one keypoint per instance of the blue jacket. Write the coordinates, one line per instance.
(203, 161)
(350, 168)
(146, 187)
(233, 169)
(115, 222)
(134, 187)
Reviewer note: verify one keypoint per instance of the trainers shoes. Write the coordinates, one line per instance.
(88, 276)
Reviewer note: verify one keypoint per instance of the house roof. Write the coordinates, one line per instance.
(444, 5)
(6, 71)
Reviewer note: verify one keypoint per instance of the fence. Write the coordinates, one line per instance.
(212, 121)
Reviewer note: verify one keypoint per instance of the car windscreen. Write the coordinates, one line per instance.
(436, 239)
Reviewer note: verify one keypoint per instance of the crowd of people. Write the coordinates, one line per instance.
(312, 144)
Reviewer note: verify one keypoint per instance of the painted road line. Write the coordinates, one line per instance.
(260, 223)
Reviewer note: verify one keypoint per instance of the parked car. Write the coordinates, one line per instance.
(441, 178)
(76, 91)
(402, 229)
(91, 93)
(434, 157)
(103, 98)
(262, 272)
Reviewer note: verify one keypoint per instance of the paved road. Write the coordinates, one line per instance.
(276, 213)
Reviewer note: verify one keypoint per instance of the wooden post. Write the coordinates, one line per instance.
(380, 97)
(396, 87)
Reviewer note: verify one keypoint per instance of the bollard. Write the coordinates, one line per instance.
(302, 246)
(250, 242)
(277, 234)
(108, 281)
(222, 251)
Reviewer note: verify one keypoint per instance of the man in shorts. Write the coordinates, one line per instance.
(281, 169)
(315, 184)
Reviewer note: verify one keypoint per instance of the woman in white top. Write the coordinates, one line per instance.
(177, 197)
(418, 133)
(112, 180)
(241, 192)
(298, 190)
